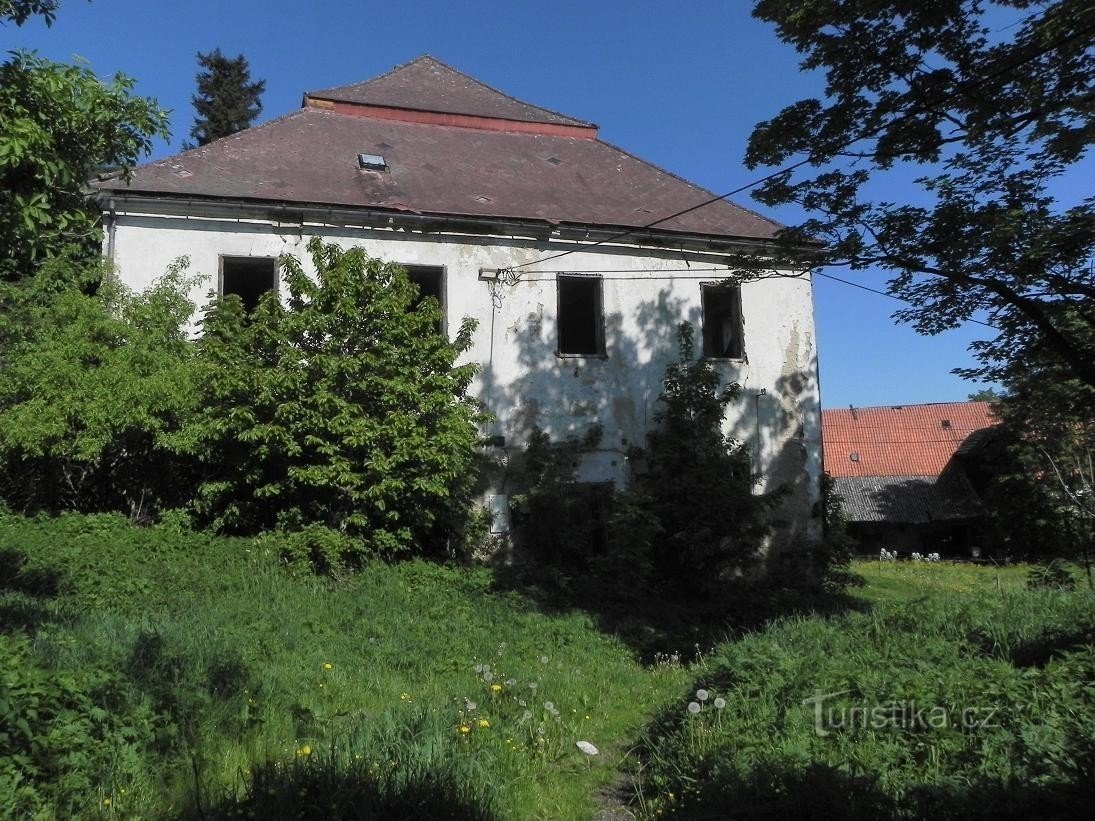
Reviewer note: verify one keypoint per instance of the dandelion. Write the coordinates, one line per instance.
(404, 696)
(483, 724)
(488, 676)
(702, 695)
(720, 702)
(543, 659)
(106, 802)
(464, 729)
(496, 688)
(469, 704)
(328, 666)
(525, 716)
(304, 751)
(478, 669)
(510, 682)
(693, 707)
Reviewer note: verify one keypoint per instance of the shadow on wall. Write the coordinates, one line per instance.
(567, 396)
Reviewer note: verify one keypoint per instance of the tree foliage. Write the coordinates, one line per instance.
(19, 11)
(1043, 493)
(698, 479)
(689, 522)
(995, 101)
(341, 406)
(91, 389)
(59, 124)
(227, 100)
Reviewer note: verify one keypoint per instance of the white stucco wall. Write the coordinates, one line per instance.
(645, 295)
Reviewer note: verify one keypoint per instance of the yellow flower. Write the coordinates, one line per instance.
(484, 724)
(404, 696)
(328, 666)
(304, 751)
(106, 802)
(496, 688)
(465, 729)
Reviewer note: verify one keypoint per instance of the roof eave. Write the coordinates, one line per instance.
(591, 234)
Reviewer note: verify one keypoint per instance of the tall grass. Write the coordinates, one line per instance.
(975, 703)
(249, 679)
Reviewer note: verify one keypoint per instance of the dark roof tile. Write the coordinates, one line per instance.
(310, 156)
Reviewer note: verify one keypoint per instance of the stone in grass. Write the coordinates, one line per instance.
(587, 748)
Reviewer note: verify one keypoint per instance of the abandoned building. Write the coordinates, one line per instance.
(517, 216)
(907, 476)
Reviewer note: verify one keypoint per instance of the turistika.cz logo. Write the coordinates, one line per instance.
(903, 714)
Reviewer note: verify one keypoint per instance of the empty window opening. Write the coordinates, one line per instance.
(722, 327)
(581, 318)
(248, 278)
(430, 280)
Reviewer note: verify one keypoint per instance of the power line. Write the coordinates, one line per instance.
(963, 88)
(891, 296)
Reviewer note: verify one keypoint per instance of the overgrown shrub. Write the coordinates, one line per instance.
(699, 480)
(340, 406)
(94, 380)
(690, 521)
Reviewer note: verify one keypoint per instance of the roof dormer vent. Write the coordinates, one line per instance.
(371, 162)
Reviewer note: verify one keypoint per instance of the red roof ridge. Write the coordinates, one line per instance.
(909, 405)
(532, 113)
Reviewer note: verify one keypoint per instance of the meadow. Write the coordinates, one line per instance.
(160, 673)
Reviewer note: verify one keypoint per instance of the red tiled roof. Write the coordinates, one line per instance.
(427, 84)
(436, 167)
(904, 440)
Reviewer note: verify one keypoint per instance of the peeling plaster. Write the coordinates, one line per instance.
(523, 382)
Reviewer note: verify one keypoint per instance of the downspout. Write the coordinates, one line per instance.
(111, 227)
(760, 393)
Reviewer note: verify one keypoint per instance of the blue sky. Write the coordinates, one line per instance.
(678, 84)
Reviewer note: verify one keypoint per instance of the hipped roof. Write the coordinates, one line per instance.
(453, 146)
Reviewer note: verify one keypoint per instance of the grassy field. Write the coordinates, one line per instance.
(156, 673)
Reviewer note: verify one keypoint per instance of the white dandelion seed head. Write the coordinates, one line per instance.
(693, 707)
(510, 682)
(702, 695)
(479, 668)
(543, 659)
(488, 676)
(549, 706)
(525, 716)
(720, 702)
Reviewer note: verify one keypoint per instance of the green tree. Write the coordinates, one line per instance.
(995, 101)
(91, 389)
(59, 124)
(227, 101)
(19, 11)
(1043, 491)
(340, 406)
(699, 481)
(985, 395)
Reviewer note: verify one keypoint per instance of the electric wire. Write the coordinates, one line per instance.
(963, 88)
